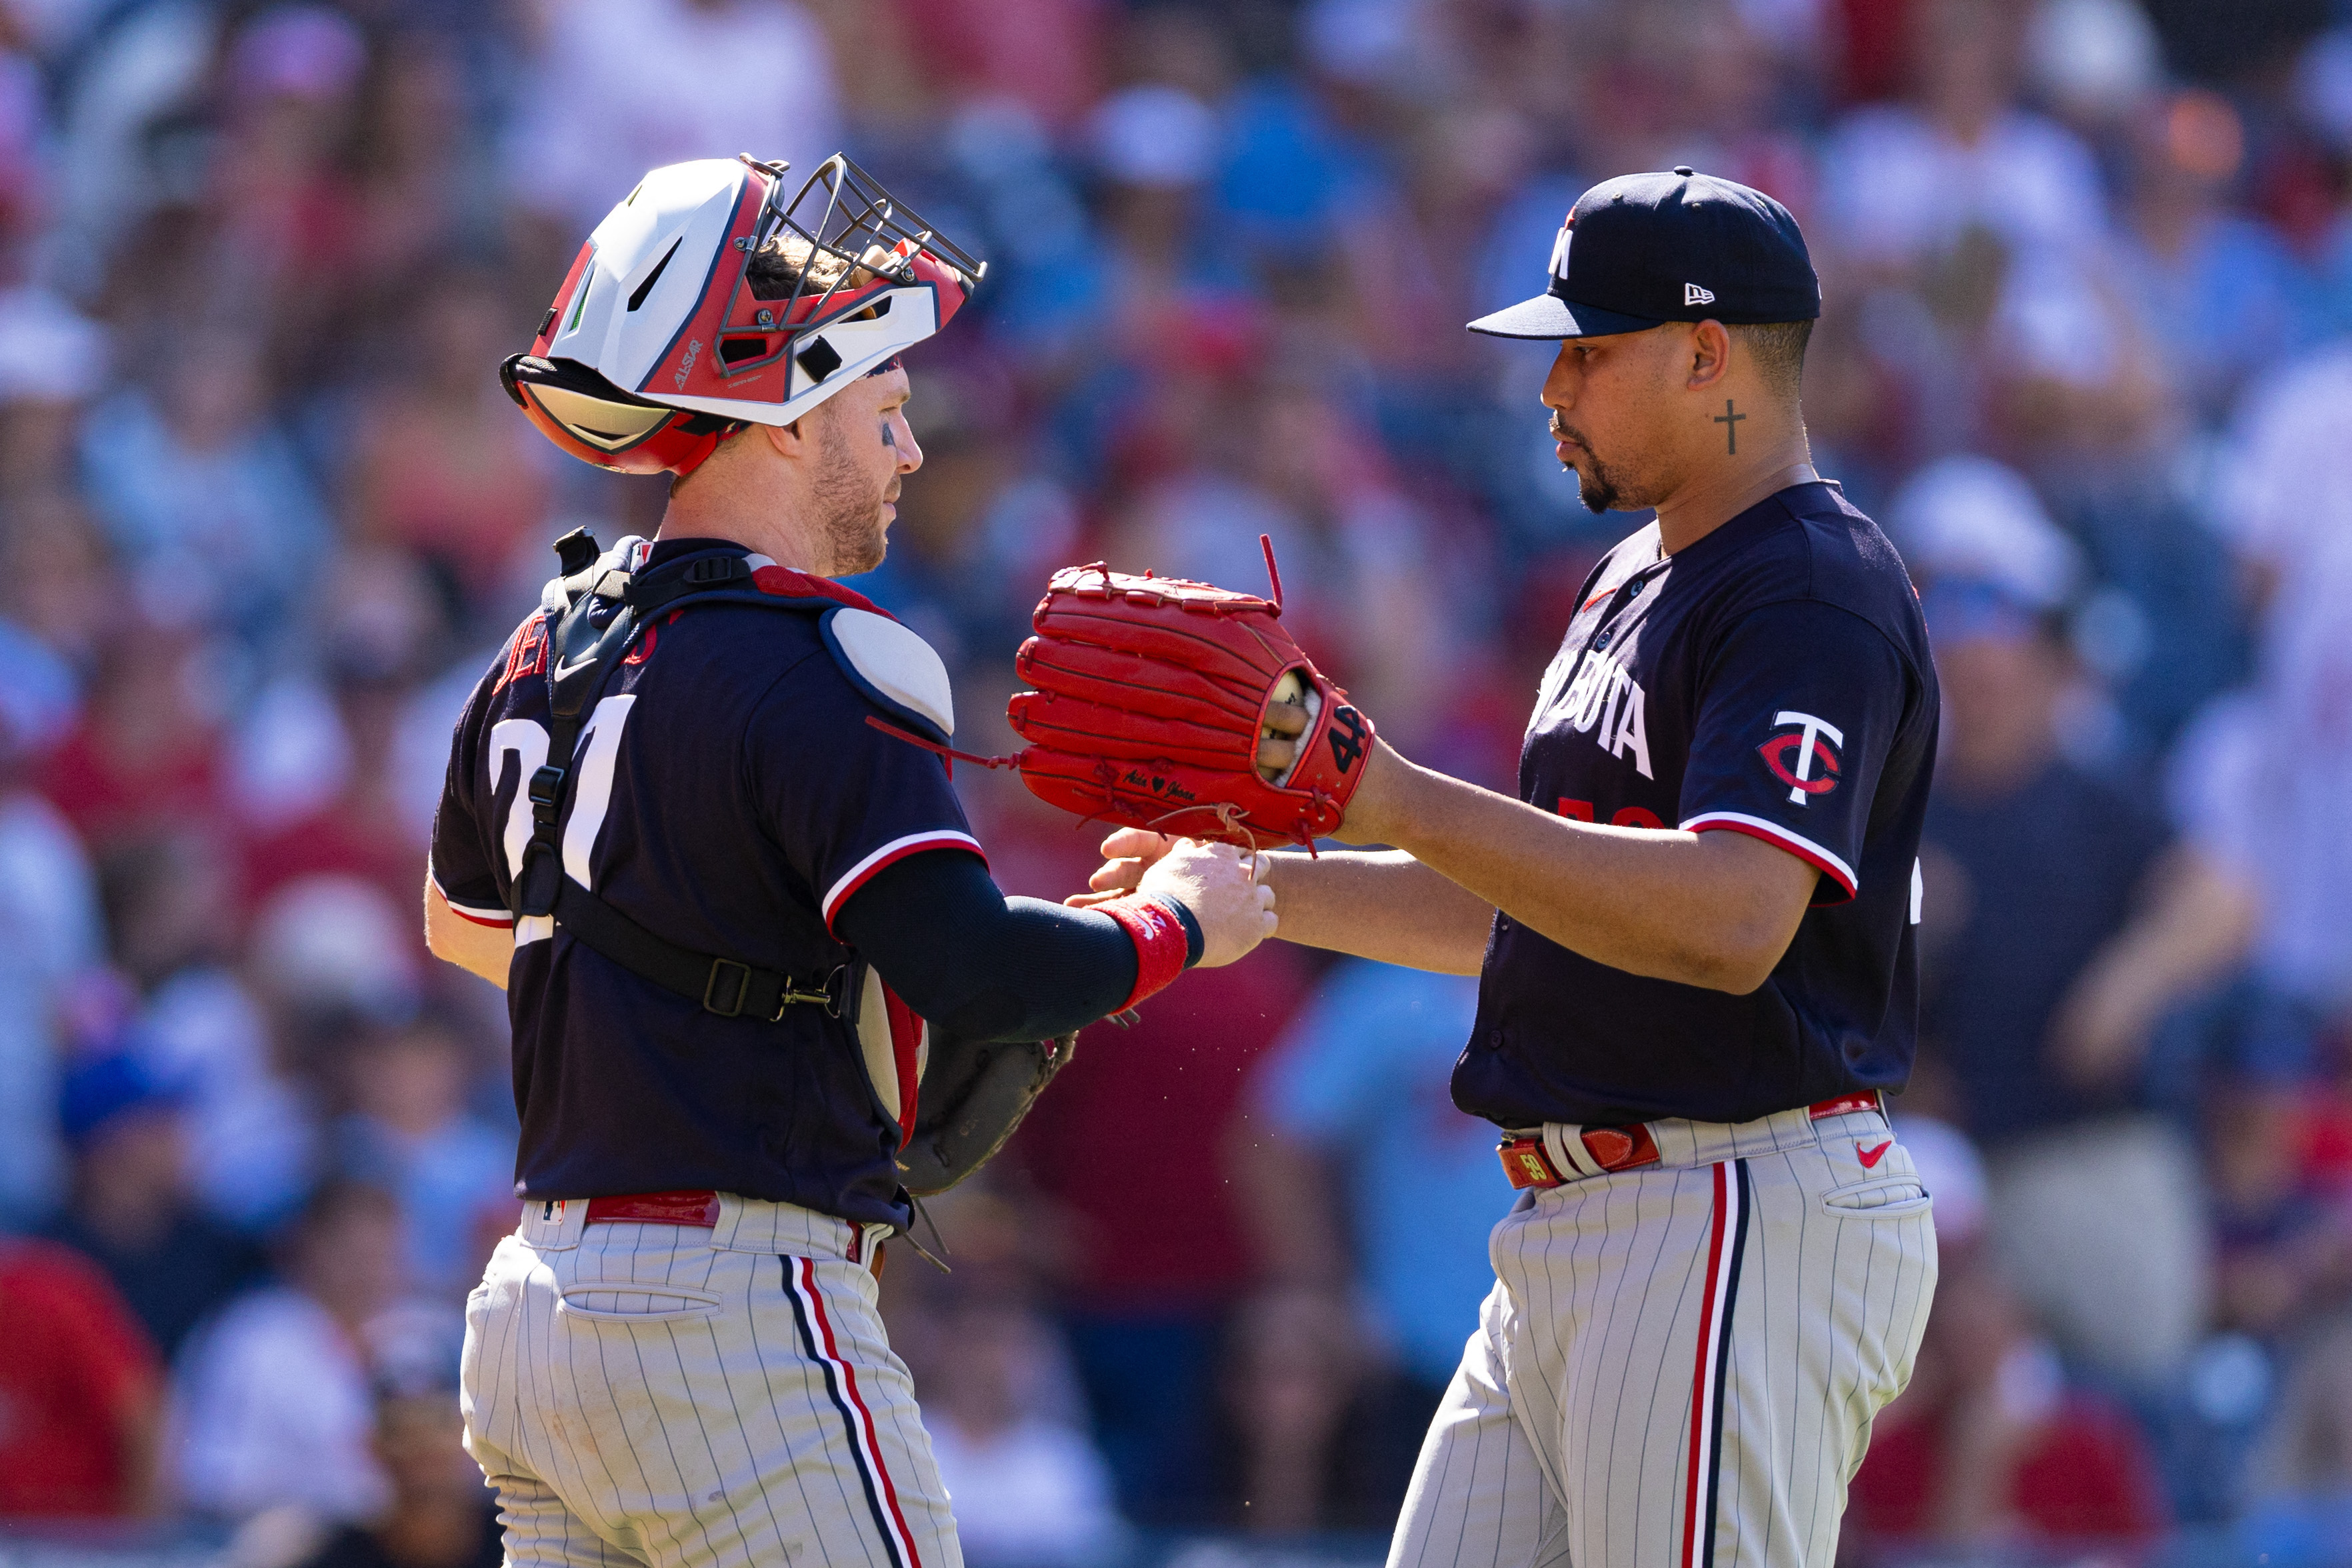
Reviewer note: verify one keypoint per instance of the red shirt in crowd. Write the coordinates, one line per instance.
(101, 795)
(2086, 1473)
(78, 1377)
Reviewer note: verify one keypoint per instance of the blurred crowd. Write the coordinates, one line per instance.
(264, 517)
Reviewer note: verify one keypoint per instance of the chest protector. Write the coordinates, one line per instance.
(595, 610)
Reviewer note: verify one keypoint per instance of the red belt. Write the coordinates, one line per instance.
(657, 1208)
(699, 1209)
(1527, 1163)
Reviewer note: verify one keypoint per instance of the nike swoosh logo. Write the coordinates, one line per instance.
(1870, 1157)
(566, 668)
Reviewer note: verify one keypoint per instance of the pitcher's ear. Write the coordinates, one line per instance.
(1710, 351)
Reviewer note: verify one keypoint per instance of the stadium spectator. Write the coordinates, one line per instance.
(48, 938)
(438, 1514)
(1158, 1257)
(1991, 1444)
(1287, 1381)
(214, 517)
(273, 1403)
(81, 1390)
(171, 910)
(439, 474)
(2061, 924)
(1360, 1180)
(1029, 1490)
(2302, 1516)
(618, 87)
(131, 1209)
(1905, 183)
(409, 1131)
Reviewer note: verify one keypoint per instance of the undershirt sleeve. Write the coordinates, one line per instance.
(980, 966)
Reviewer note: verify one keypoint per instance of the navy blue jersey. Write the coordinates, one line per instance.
(730, 797)
(1773, 679)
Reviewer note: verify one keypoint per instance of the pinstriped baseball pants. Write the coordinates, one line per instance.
(1678, 1365)
(670, 1396)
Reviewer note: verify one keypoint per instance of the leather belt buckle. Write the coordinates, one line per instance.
(1615, 1148)
(694, 1209)
(1526, 1164)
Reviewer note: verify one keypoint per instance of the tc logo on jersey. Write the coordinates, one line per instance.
(1805, 761)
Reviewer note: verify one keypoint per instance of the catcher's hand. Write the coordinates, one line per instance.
(1185, 709)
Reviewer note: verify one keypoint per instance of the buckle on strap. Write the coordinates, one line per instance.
(545, 792)
(713, 569)
(741, 987)
(822, 996)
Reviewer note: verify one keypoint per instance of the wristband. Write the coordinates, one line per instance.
(1162, 944)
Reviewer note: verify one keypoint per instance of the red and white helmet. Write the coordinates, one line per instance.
(706, 301)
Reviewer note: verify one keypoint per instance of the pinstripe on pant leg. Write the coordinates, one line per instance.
(685, 1423)
(1712, 1345)
(1477, 1499)
(1829, 1321)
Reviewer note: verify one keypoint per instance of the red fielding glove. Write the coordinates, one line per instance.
(1150, 701)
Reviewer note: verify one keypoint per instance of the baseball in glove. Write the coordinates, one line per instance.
(1153, 697)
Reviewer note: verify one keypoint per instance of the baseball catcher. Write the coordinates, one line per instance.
(761, 982)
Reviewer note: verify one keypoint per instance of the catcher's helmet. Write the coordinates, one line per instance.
(705, 300)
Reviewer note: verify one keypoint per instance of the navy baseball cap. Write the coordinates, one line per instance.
(1643, 250)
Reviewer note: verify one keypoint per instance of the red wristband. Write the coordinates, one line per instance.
(1160, 944)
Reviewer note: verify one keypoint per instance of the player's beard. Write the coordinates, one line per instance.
(1600, 488)
(1595, 487)
(848, 503)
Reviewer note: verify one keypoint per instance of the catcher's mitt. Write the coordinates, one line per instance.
(974, 1095)
(1150, 701)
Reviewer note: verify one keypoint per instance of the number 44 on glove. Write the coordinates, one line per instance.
(1152, 698)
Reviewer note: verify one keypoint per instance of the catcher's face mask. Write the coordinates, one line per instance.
(708, 299)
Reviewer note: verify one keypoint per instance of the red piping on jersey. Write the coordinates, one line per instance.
(914, 844)
(1783, 839)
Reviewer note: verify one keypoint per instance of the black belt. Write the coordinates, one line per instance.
(722, 985)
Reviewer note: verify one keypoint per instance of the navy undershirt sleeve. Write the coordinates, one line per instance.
(980, 966)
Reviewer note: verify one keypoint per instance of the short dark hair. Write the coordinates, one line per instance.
(1779, 348)
(777, 268)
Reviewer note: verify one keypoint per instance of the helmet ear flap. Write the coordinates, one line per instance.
(594, 420)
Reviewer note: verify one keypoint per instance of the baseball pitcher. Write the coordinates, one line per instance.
(1694, 928)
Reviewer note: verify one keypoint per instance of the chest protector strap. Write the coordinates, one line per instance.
(598, 606)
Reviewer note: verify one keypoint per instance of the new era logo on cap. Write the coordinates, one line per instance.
(1637, 240)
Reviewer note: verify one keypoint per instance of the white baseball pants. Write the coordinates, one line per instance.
(674, 1397)
(1679, 1364)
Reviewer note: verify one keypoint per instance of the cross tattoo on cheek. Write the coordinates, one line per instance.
(1730, 422)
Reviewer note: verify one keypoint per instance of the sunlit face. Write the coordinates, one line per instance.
(1610, 398)
(864, 448)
